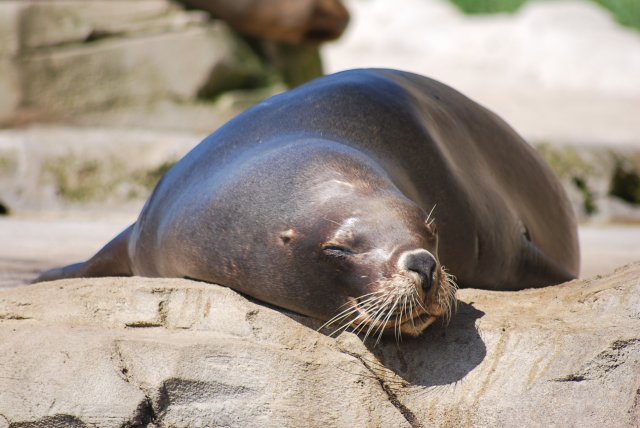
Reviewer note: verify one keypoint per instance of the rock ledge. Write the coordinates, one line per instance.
(116, 352)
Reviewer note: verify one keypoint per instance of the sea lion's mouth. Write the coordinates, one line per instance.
(399, 321)
(398, 307)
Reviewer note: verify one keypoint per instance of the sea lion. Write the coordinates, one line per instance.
(343, 200)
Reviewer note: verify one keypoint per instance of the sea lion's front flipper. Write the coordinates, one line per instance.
(111, 260)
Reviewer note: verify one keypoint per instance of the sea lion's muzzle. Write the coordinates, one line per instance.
(422, 265)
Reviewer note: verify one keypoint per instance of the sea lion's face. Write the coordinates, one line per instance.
(376, 253)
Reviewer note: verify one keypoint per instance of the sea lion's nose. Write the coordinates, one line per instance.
(423, 263)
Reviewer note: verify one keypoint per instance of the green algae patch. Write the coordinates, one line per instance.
(80, 181)
(625, 182)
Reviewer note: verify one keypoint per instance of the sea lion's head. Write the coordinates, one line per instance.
(368, 252)
(377, 250)
(326, 233)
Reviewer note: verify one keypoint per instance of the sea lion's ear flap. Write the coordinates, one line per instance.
(287, 236)
(525, 233)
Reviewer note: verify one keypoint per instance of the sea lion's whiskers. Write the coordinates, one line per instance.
(352, 309)
(375, 322)
(422, 315)
(378, 313)
(373, 301)
(332, 221)
(386, 320)
(341, 317)
(420, 304)
(403, 308)
(408, 312)
(450, 303)
(430, 220)
(402, 300)
(348, 322)
(419, 313)
(378, 292)
(399, 296)
(397, 301)
(411, 310)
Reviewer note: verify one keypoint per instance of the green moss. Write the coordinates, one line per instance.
(588, 201)
(567, 164)
(296, 64)
(488, 6)
(244, 70)
(87, 180)
(626, 12)
(240, 100)
(8, 165)
(227, 78)
(255, 65)
(150, 179)
(75, 180)
(625, 182)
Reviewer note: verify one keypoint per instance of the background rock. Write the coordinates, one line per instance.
(136, 70)
(63, 22)
(63, 58)
(54, 167)
(115, 351)
(9, 46)
(179, 354)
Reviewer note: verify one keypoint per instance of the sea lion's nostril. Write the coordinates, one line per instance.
(421, 262)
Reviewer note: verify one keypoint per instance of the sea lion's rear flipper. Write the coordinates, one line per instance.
(538, 270)
(111, 260)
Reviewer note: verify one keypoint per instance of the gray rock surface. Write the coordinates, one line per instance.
(131, 71)
(161, 352)
(61, 58)
(32, 245)
(9, 46)
(47, 168)
(63, 21)
(589, 173)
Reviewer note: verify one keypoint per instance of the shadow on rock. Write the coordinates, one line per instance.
(441, 356)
